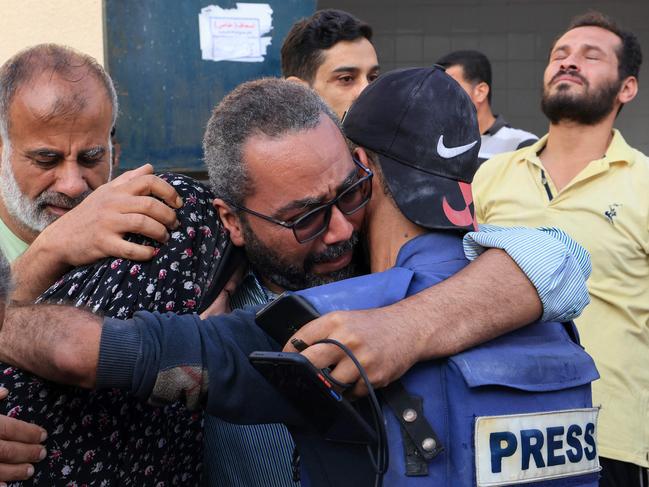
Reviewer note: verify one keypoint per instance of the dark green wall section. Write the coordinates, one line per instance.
(166, 91)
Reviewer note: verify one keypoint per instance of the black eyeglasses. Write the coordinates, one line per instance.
(315, 222)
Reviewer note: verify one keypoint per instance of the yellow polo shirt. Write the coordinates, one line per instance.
(12, 246)
(606, 209)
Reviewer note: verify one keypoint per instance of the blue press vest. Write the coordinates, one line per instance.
(515, 410)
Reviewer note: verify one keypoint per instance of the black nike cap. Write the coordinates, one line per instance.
(424, 128)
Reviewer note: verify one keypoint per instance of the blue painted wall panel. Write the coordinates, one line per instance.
(166, 91)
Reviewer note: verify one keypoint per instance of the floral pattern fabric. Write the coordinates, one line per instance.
(107, 438)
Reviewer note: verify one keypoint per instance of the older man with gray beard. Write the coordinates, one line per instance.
(57, 108)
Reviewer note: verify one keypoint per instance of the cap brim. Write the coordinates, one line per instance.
(430, 201)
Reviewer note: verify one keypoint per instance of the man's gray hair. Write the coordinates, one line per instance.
(50, 58)
(5, 279)
(269, 106)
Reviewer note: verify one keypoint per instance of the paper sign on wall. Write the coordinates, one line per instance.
(235, 34)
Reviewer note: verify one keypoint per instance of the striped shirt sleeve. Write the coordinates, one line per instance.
(557, 266)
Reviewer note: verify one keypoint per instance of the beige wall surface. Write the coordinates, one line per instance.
(76, 23)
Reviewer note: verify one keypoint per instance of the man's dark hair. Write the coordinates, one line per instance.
(302, 49)
(269, 106)
(629, 55)
(475, 65)
(378, 170)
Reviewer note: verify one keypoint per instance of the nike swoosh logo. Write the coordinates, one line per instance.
(450, 152)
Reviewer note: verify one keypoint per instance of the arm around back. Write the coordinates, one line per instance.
(59, 343)
(165, 358)
(540, 273)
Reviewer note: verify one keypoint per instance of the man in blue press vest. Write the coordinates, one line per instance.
(514, 410)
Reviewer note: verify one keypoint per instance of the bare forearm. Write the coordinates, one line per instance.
(488, 298)
(59, 343)
(36, 270)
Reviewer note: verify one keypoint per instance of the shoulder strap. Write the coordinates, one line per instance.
(421, 443)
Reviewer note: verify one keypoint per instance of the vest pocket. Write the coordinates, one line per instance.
(525, 400)
(531, 359)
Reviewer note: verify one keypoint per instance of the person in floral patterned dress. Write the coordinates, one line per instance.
(108, 438)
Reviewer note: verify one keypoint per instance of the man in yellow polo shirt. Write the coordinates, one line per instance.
(584, 178)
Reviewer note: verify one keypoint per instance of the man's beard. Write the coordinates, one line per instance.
(271, 264)
(32, 214)
(587, 108)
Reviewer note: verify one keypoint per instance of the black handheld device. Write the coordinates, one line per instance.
(313, 396)
(284, 316)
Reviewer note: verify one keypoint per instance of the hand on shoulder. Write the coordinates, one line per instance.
(135, 202)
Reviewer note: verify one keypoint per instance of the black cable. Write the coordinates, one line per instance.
(327, 373)
(380, 459)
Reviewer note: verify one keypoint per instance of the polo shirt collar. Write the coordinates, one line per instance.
(499, 123)
(618, 151)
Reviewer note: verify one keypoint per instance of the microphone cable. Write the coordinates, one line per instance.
(379, 458)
